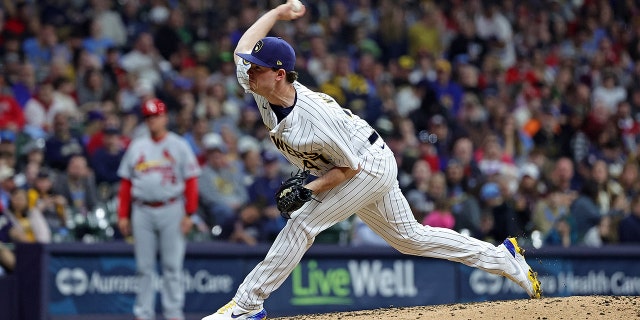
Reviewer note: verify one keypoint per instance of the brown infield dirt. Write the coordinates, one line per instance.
(579, 307)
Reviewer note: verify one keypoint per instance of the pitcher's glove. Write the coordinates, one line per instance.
(292, 194)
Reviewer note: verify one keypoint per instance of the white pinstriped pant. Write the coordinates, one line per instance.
(374, 195)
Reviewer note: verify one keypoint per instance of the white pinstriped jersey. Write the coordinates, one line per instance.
(318, 134)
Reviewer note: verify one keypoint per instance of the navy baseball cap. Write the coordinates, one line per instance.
(271, 52)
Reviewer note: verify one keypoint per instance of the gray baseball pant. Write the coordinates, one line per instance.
(157, 229)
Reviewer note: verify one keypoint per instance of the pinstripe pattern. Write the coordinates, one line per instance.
(375, 196)
(318, 127)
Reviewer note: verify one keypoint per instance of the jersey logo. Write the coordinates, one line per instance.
(309, 159)
(326, 98)
(148, 165)
(140, 160)
(164, 166)
(140, 164)
(168, 156)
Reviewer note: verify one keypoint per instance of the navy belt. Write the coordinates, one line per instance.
(374, 137)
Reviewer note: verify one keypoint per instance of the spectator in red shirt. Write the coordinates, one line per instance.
(96, 140)
(93, 136)
(17, 17)
(11, 115)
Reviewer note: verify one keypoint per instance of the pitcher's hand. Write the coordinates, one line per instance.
(286, 11)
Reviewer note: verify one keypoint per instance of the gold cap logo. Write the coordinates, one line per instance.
(258, 46)
(279, 62)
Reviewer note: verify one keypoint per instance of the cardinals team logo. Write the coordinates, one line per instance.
(140, 164)
(162, 165)
(143, 165)
(167, 156)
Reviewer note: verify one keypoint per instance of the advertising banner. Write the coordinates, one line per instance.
(559, 278)
(77, 282)
(348, 284)
(107, 285)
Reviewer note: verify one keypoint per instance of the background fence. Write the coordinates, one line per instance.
(80, 281)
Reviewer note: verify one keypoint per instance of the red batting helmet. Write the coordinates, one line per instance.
(153, 107)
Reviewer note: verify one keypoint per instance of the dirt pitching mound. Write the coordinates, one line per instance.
(583, 307)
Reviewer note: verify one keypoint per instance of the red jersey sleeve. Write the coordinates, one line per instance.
(124, 206)
(191, 195)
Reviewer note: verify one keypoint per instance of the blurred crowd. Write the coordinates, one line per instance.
(507, 118)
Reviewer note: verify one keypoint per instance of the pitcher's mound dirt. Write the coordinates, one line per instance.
(583, 307)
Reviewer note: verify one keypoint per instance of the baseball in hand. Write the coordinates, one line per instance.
(296, 5)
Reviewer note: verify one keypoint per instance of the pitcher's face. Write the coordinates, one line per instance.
(262, 80)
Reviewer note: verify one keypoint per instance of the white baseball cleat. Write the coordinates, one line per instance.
(523, 275)
(232, 311)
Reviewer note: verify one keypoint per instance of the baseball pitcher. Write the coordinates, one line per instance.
(357, 173)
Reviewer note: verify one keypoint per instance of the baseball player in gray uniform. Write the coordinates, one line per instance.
(356, 173)
(158, 193)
